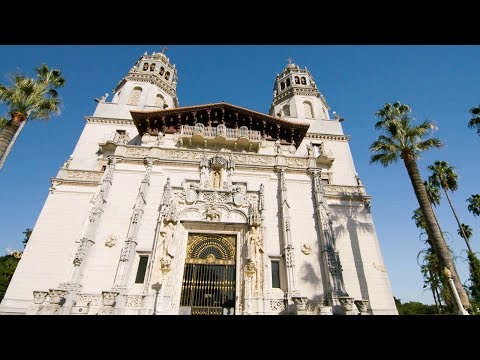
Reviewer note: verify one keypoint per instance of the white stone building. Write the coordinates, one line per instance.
(209, 209)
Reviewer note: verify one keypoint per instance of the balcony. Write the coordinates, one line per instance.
(220, 136)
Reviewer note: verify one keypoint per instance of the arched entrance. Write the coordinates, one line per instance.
(208, 286)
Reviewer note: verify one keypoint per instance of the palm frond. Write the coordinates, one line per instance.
(384, 158)
(429, 144)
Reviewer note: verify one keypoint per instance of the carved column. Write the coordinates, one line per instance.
(267, 278)
(127, 254)
(333, 285)
(88, 238)
(287, 240)
(166, 221)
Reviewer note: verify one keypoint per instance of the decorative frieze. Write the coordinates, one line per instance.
(39, 297)
(277, 305)
(84, 175)
(135, 301)
(344, 190)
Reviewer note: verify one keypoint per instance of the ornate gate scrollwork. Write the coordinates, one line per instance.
(209, 277)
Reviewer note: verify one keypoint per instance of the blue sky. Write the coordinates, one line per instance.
(440, 83)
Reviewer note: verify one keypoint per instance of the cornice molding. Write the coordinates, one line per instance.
(100, 120)
(327, 137)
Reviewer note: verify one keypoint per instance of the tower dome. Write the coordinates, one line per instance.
(296, 96)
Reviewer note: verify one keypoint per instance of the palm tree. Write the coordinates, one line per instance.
(466, 231)
(402, 139)
(475, 120)
(474, 204)
(396, 111)
(444, 176)
(28, 99)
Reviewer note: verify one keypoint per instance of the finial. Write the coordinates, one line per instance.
(290, 60)
(163, 49)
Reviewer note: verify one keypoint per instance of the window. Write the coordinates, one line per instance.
(304, 81)
(135, 96)
(297, 80)
(286, 110)
(308, 110)
(288, 82)
(276, 274)
(142, 268)
(162, 70)
(145, 67)
(159, 101)
(282, 85)
(167, 75)
(152, 67)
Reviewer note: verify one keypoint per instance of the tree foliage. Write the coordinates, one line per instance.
(474, 204)
(475, 119)
(414, 308)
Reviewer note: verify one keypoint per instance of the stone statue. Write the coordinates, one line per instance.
(309, 149)
(278, 146)
(102, 99)
(254, 246)
(359, 182)
(217, 179)
(169, 247)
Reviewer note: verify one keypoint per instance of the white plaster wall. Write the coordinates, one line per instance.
(85, 153)
(304, 231)
(48, 255)
(362, 263)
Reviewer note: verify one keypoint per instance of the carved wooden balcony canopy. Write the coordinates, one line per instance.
(169, 121)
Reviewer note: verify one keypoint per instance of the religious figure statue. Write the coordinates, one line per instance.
(217, 179)
(278, 146)
(169, 246)
(359, 182)
(309, 149)
(254, 246)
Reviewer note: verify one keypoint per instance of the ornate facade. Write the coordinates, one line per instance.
(209, 209)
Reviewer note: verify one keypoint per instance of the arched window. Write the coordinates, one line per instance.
(304, 81)
(159, 101)
(308, 110)
(167, 75)
(282, 85)
(135, 95)
(162, 70)
(297, 80)
(145, 67)
(288, 82)
(286, 110)
(152, 67)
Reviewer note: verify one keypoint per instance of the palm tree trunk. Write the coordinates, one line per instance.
(9, 134)
(433, 230)
(458, 221)
(433, 288)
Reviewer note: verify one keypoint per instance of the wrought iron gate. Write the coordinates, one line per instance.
(209, 277)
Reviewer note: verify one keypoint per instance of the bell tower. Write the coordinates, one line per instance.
(151, 84)
(296, 97)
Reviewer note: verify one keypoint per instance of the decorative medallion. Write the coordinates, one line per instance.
(191, 196)
(307, 249)
(239, 199)
(111, 241)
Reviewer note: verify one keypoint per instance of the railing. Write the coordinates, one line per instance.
(221, 130)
